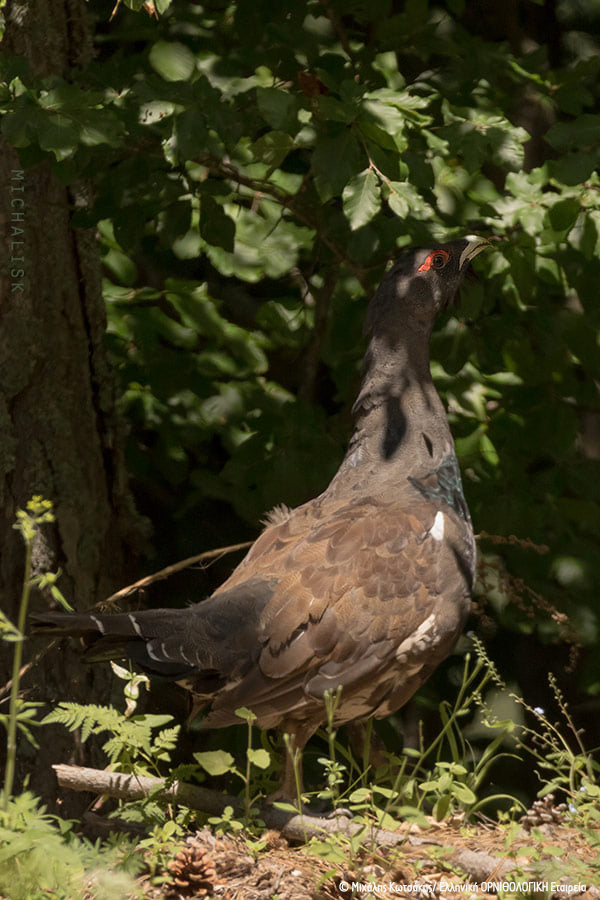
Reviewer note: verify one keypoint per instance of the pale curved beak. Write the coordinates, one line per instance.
(474, 246)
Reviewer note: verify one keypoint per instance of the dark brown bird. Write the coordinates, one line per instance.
(367, 586)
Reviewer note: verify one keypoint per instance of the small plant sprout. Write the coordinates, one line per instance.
(334, 770)
(260, 757)
(38, 512)
(131, 690)
(219, 762)
(563, 763)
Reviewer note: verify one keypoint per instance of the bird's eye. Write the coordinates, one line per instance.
(435, 260)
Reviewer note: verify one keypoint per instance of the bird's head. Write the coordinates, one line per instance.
(421, 284)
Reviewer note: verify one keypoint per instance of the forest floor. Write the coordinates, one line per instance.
(551, 861)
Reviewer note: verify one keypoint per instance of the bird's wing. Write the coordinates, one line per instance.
(353, 586)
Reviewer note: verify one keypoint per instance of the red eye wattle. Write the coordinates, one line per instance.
(435, 260)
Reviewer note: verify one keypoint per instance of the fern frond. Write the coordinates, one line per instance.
(165, 741)
(92, 719)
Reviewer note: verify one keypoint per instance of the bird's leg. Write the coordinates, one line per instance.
(366, 747)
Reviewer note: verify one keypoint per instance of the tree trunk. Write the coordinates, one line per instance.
(59, 436)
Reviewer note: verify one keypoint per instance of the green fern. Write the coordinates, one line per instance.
(164, 742)
(132, 745)
(90, 718)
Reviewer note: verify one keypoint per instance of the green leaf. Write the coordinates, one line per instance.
(333, 110)
(488, 451)
(362, 199)
(464, 794)
(563, 215)
(573, 97)
(334, 162)
(101, 127)
(8, 631)
(191, 133)
(403, 199)
(286, 807)
(388, 117)
(216, 227)
(60, 136)
(272, 148)
(574, 168)
(581, 134)
(173, 61)
(260, 758)
(278, 108)
(360, 795)
(19, 127)
(68, 97)
(215, 762)
(153, 720)
(441, 807)
(507, 144)
(432, 785)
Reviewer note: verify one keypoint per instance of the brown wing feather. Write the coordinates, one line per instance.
(354, 583)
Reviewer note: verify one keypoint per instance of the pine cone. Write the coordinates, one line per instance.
(543, 812)
(193, 871)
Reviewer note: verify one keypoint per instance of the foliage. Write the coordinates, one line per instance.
(132, 745)
(445, 777)
(40, 856)
(254, 167)
(219, 762)
(562, 761)
(418, 780)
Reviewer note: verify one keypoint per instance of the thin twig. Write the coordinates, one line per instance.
(175, 567)
(512, 539)
(5, 689)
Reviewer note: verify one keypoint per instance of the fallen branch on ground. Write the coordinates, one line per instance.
(294, 827)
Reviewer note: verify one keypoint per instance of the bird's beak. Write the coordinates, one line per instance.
(474, 246)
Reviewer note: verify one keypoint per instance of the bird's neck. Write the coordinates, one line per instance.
(401, 429)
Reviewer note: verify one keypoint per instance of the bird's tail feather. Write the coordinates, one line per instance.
(118, 636)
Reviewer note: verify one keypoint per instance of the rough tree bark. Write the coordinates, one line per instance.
(59, 436)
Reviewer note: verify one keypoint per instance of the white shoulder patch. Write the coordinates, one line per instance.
(437, 529)
(417, 642)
